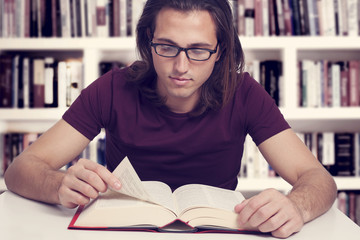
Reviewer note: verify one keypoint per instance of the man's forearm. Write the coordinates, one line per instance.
(314, 193)
(34, 180)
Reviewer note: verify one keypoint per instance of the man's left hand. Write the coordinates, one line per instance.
(270, 211)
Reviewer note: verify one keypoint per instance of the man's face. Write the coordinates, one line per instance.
(179, 79)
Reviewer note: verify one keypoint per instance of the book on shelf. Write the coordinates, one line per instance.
(5, 81)
(105, 66)
(152, 206)
(299, 17)
(348, 202)
(38, 82)
(324, 83)
(249, 15)
(13, 143)
(69, 18)
(269, 74)
(338, 152)
(253, 164)
(118, 18)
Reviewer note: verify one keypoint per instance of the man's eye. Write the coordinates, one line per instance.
(166, 48)
(198, 51)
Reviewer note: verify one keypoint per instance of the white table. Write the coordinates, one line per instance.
(21, 218)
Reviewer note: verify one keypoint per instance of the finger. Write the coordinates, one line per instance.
(74, 182)
(87, 188)
(70, 198)
(265, 213)
(274, 222)
(287, 229)
(89, 180)
(105, 175)
(251, 206)
(241, 206)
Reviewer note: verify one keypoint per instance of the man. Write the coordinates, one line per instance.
(181, 116)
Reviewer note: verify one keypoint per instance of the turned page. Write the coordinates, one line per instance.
(194, 195)
(131, 184)
(150, 191)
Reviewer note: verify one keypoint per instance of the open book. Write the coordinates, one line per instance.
(152, 206)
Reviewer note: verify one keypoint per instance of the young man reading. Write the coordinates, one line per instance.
(180, 115)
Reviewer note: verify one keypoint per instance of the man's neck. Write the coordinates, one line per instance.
(181, 105)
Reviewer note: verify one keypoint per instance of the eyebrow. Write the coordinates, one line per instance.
(192, 45)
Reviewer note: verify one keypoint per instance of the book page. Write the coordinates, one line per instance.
(112, 199)
(197, 195)
(131, 184)
(161, 193)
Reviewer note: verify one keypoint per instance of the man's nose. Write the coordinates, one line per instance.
(181, 64)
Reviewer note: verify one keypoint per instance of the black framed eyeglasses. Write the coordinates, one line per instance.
(170, 51)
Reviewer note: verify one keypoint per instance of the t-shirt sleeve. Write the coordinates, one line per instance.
(91, 110)
(263, 117)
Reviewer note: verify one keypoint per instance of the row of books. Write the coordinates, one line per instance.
(12, 144)
(269, 74)
(37, 82)
(339, 153)
(348, 202)
(69, 18)
(107, 18)
(326, 83)
(297, 17)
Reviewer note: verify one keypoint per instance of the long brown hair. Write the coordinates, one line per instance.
(221, 85)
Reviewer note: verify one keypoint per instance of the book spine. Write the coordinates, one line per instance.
(241, 17)
(26, 82)
(101, 19)
(249, 18)
(352, 17)
(344, 84)
(279, 18)
(15, 80)
(354, 82)
(258, 18)
(6, 81)
(49, 82)
(39, 83)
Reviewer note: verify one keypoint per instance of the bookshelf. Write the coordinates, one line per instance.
(287, 49)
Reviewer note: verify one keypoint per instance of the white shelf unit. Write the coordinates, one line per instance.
(287, 49)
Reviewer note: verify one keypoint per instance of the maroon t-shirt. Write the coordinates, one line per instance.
(170, 147)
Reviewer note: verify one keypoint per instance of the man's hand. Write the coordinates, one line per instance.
(83, 181)
(270, 211)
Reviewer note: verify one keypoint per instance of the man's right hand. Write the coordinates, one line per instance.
(83, 181)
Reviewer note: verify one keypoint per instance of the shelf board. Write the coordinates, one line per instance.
(300, 119)
(60, 44)
(323, 119)
(33, 114)
(347, 183)
(29, 120)
(322, 113)
(300, 42)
